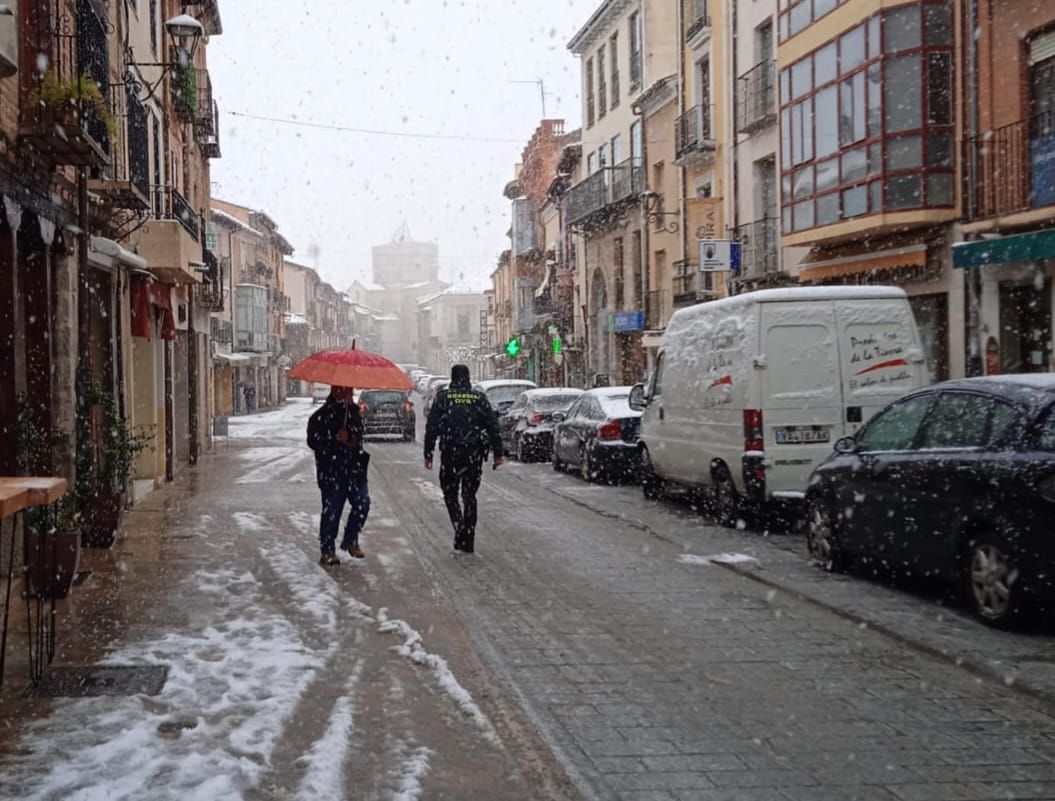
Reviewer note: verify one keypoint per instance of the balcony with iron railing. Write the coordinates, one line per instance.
(689, 285)
(693, 139)
(66, 115)
(759, 254)
(1007, 170)
(605, 190)
(171, 240)
(699, 20)
(125, 184)
(756, 97)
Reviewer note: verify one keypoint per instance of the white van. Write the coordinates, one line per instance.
(751, 391)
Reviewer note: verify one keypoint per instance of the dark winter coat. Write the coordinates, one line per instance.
(464, 423)
(337, 464)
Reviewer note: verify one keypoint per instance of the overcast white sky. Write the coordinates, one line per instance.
(421, 66)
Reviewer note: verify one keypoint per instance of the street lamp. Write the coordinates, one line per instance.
(185, 32)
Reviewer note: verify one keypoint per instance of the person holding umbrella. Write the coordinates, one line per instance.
(335, 433)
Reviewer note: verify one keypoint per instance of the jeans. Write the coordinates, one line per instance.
(333, 499)
(461, 477)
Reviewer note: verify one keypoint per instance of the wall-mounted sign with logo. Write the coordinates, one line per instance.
(626, 321)
(719, 255)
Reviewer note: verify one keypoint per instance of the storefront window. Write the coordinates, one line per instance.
(866, 120)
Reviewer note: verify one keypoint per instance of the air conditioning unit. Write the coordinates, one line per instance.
(8, 40)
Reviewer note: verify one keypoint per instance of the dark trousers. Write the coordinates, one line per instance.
(459, 480)
(357, 495)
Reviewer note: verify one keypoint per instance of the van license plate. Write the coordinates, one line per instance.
(802, 435)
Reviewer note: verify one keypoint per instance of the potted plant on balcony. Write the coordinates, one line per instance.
(64, 103)
(103, 481)
(52, 535)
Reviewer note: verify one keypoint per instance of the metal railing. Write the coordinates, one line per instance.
(758, 247)
(756, 97)
(1001, 168)
(700, 18)
(93, 61)
(655, 301)
(222, 331)
(171, 205)
(692, 132)
(606, 187)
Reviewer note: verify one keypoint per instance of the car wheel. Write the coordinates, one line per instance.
(558, 465)
(651, 485)
(520, 450)
(992, 582)
(586, 467)
(726, 498)
(821, 538)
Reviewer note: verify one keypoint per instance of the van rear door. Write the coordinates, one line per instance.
(801, 393)
(881, 355)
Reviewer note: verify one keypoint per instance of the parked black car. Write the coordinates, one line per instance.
(955, 481)
(599, 436)
(527, 429)
(387, 412)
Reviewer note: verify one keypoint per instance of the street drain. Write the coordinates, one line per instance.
(81, 577)
(81, 682)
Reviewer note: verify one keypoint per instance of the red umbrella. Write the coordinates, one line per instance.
(351, 368)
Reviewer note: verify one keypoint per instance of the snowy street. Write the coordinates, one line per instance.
(597, 646)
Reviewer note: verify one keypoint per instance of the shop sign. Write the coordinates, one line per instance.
(719, 255)
(626, 321)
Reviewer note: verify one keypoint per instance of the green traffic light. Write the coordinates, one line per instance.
(513, 347)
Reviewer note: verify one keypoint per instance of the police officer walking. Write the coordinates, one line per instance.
(467, 428)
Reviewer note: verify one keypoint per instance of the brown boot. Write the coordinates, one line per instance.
(354, 551)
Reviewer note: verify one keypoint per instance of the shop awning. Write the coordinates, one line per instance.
(1033, 246)
(232, 358)
(816, 267)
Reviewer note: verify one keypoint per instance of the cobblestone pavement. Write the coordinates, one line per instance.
(657, 676)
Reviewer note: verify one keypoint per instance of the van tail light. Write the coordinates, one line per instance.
(408, 407)
(362, 407)
(536, 419)
(753, 439)
(610, 430)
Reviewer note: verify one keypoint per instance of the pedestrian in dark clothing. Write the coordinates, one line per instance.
(467, 428)
(335, 433)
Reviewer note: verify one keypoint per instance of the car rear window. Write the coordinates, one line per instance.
(549, 403)
(617, 406)
(383, 397)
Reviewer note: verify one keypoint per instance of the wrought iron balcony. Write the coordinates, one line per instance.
(759, 254)
(126, 184)
(1005, 168)
(602, 192)
(756, 97)
(700, 20)
(69, 119)
(171, 205)
(692, 134)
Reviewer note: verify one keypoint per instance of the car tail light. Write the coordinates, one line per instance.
(753, 440)
(536, 419)
(362, 407)
(408, 407)
(610, 430)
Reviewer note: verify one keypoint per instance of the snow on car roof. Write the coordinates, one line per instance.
(609, 392)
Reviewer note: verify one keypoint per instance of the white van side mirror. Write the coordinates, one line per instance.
(915, 355)
(637, 399)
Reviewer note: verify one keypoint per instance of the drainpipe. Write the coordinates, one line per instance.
(684, 180)
(83, 443)
(736, 133)
(974, 274)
